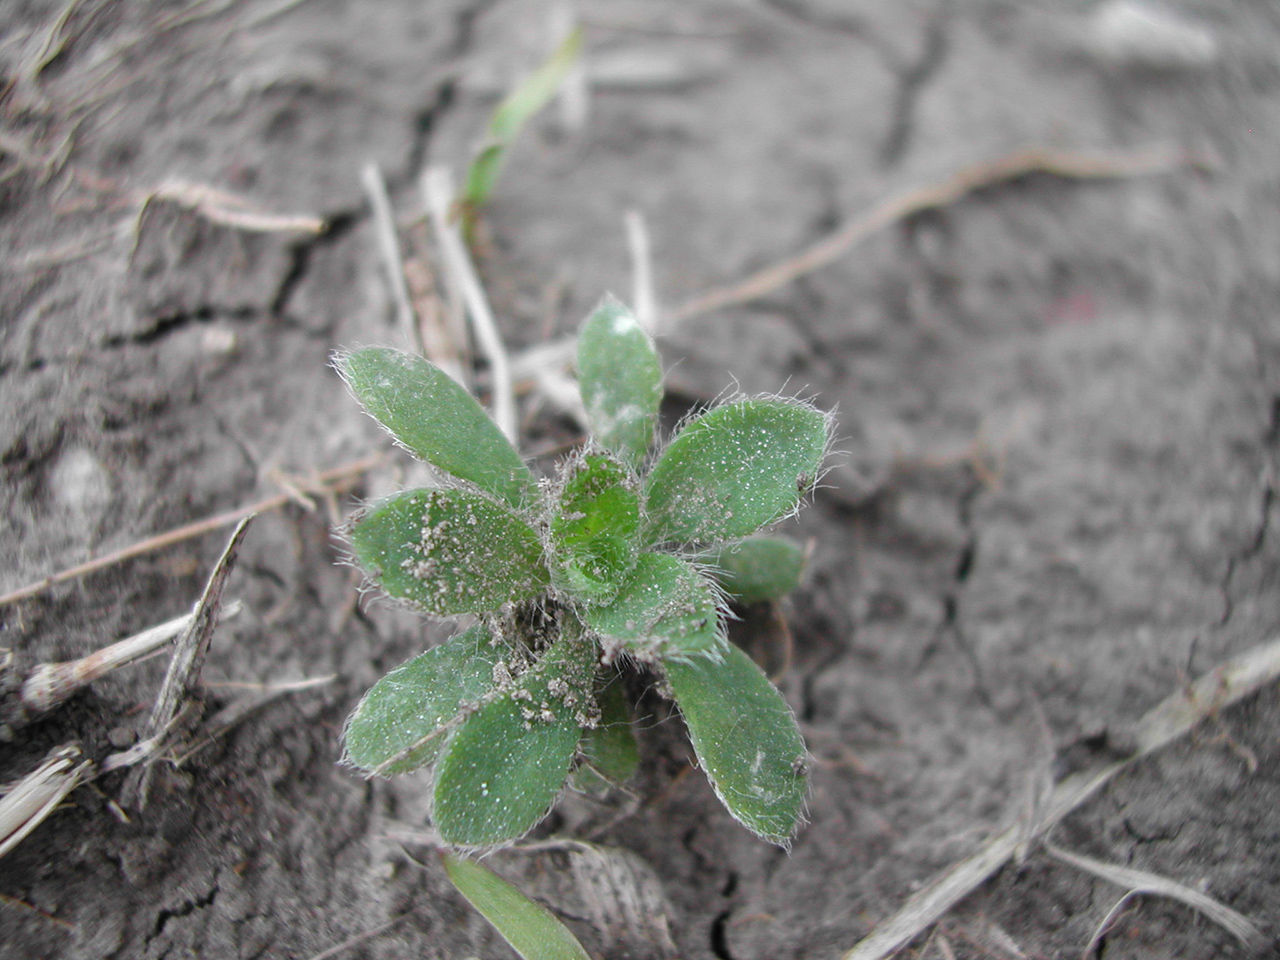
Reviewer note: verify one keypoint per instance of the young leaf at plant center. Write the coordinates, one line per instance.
(733, 470)
(506, 764)
(531, 929)
(595, 531)
(620, 379)
(746, 740)
(609, 751)
(405, 718)
(530, 96)
(449, 551)
(758, 568)
(435, 418)
(667, 608)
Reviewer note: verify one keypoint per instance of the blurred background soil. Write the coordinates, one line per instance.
(1058, 400)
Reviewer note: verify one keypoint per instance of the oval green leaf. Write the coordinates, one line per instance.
(609, 752)
(595, 532)
(402, 722)
(733, 470)
(531, 929)
(758, 568)
(504, 767)
(449, 551)
(667, 608)
(746, 740)
(436, 419)
(620, 379)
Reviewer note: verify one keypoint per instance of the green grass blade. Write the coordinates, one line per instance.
(620, 379)
(667, 609)
(595, 532)
(449, 551)
(529, 96)
(758, 568)
(435, 418)
(504, 767)
(531, 929)
(733, 470)
(746, 740)
(402, 722)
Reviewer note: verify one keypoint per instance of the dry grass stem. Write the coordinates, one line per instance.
(1172, 718)
(326, 482)
(437, 193)
(278, 9)
(358, 939)
(23, 905)
(184, 668)
(1068, 164)
(552, 354)
(781, 630)
(54, 256)
(441, 329)
(25, 806)
(384, 228)
(273, 689)
(401, 832)
(644, 300)
(54, 43)
(49, 684)
(1108, 922)
(561, 393)
(229, 210)
(1143, 882)
(235, 713)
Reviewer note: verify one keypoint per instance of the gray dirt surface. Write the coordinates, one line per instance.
(1059, 409)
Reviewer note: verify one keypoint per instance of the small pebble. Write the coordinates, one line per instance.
(120, 737)
(1134, 33)
(218, 342)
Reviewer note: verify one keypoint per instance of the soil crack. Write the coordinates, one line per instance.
(912, 78)
(163, 326)
(719, 939)
(338, 225)
(1248, 552)
(912, 74)
(184, 909)
(950, 623)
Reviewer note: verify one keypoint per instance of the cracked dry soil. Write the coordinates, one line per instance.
(1060, 403)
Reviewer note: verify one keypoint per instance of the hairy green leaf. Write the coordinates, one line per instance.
(404, 719)
(746, 740)
(609, 752)
(759, 568)
(531, 929)
(449, 551)
(620, 379)
(733, 470)
(504, 767)
(666, 608)
(435, 418)
(595, 531)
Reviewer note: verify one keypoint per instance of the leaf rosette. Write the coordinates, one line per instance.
(627, 553)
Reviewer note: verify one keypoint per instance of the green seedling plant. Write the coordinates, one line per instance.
(627, 557)
(524, 101)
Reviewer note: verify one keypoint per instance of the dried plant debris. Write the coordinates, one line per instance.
(179, 687)
(26, 695)
(1173, 717)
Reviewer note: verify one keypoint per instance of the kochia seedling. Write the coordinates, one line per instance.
(626, 556)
